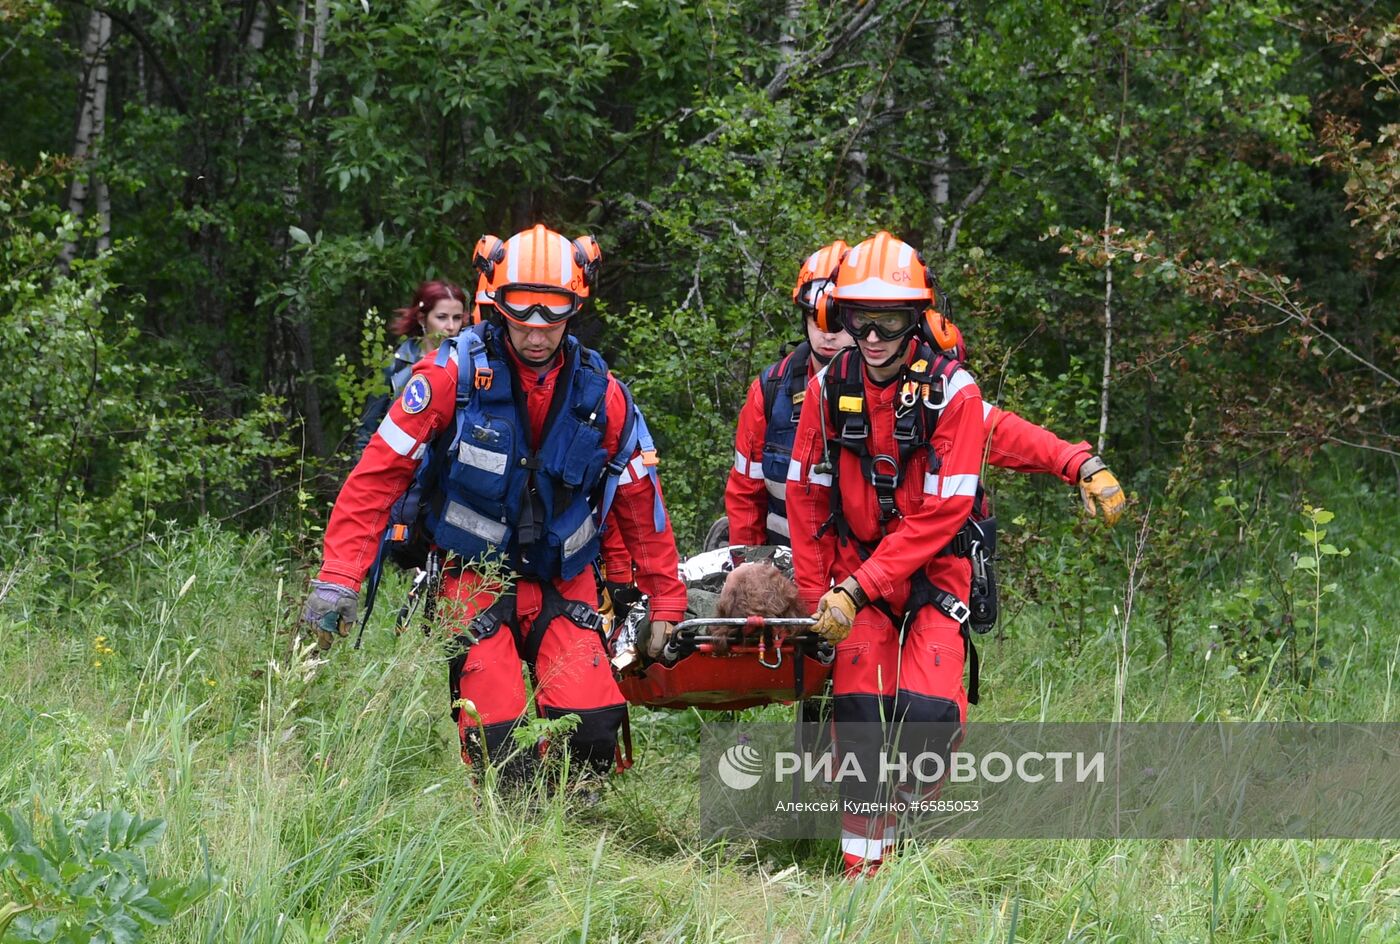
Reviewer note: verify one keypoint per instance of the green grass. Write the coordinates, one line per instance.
(335, 805)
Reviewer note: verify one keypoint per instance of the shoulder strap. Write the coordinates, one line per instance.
(635, 436)
(792, 368)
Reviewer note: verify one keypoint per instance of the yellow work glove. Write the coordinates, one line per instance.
(1098, 485)
(836, 610)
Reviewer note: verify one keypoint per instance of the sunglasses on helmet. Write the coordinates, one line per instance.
(889, 324)
(536, 304)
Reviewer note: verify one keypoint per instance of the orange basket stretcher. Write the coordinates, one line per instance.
(766, 660)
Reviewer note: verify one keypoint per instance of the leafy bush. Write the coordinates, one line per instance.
(87, 881)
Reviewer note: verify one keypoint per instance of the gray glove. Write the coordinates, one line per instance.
(330, 609)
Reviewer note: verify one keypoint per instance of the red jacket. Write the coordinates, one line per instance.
(386, 470)
(933, 507)
(1016, 444)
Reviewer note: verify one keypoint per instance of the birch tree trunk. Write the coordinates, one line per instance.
(787, 40)
(87, 138)
(292, 353)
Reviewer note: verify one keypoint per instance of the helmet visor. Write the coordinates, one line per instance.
(536, 304)
(890, 323)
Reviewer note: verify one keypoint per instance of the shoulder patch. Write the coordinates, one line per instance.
(417, 395)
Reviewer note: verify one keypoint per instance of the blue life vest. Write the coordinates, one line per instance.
(784, 384)
(497, 497)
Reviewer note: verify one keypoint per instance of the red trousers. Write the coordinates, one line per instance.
(568, 666)
(880, 685)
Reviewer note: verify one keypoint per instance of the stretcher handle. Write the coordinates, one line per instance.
(757, 622)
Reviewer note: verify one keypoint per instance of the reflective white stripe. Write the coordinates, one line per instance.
(483, 459)
(575, 542)
(778, 524)
(906, 252)
(418, 453)
(566, 256)
(853, 257)
(753, 468)
(815, 478)
(512, 253)
(777, 489)
(488, 529)
(958, 381)
(873, 289)
(958, 485)
(872, 849)
(398, 440)
(986, 410)
(948, 486)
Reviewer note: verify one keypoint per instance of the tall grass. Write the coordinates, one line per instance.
(332, 800)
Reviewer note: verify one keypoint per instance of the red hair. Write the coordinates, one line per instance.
(406, 324)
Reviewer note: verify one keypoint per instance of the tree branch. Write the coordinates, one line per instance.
(133, 30)
(968, 202)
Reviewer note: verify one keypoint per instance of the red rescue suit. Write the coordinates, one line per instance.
(874, 678)
(571, 671)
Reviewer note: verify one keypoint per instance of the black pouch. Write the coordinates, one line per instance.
(982, 601)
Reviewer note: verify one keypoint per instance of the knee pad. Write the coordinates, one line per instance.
(495, 744)
(594, 741)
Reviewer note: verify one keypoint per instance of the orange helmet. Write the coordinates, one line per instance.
(537, 277)
(884, 277)
(816, 275)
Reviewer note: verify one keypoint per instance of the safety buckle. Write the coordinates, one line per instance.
(584, 616)
(854, 428)
(398, 533)
(649, 457)
(483, 378)
(959, 611)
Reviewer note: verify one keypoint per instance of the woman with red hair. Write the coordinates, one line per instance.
(434, 314)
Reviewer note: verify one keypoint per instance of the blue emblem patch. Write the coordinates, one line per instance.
(416, 395)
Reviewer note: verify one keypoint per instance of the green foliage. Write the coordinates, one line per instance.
(87, 881)
(355, 384)
(109, 437)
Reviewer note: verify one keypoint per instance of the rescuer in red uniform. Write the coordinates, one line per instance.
(884, 474)
(527, 447)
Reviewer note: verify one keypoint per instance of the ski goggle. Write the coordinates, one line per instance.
(811, 292)
(536, 304)
(889, 324)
